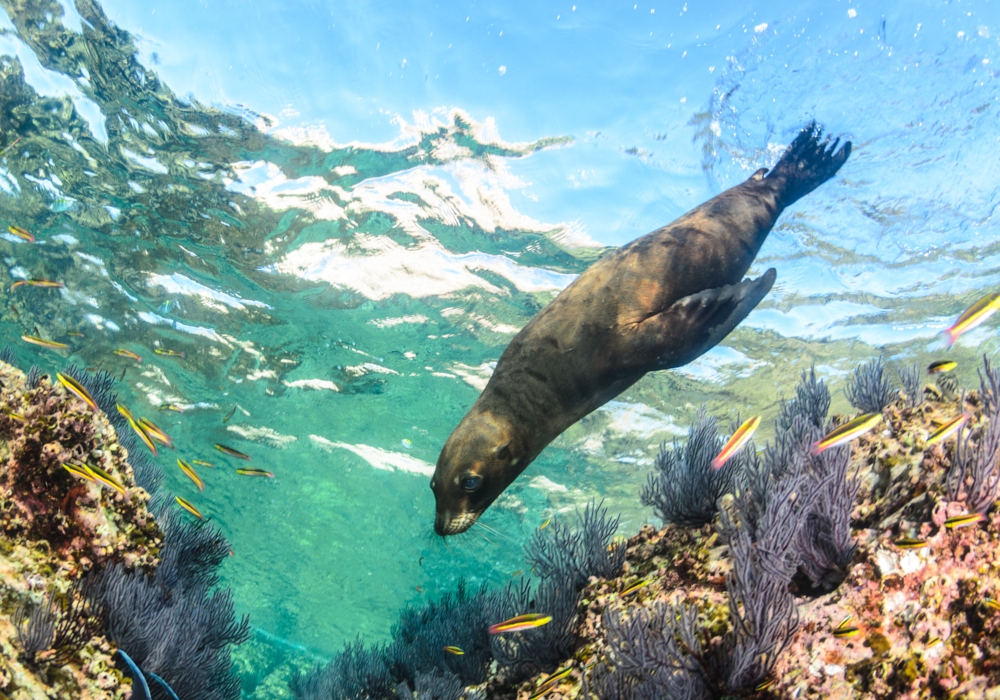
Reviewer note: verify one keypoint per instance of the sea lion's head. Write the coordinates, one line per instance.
(478, 461)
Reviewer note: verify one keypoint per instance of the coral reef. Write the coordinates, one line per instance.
(92, 562)
(847, 574)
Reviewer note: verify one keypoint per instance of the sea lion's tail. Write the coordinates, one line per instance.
(807, 164)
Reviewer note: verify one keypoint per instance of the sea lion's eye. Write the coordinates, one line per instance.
(471, 483)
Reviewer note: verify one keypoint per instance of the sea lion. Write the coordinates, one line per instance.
(658, 302)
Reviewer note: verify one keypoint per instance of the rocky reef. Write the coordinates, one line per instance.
(99, 579)
(55, 528)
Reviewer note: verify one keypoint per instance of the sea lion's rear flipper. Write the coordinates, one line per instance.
(694, 324)
(807, 164)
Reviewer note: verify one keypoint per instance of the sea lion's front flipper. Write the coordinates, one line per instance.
(694, 324)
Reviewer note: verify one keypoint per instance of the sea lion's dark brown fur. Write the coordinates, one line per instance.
(658, 302)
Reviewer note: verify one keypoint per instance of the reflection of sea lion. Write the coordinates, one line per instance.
(659, 302)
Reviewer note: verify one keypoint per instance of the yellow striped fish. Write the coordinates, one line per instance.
(255, 472)
(738, 440)
(105, 478)
(941, 366)
(231, 452)
(847, 432)
(186, 505)
(21, 233)
(973, 316)
(155, 433)
(948, 429)
(77, 389)
(960, 521)
(520, 622)
(191, 474)
(41, 342)
(138, 429)
(78, 470)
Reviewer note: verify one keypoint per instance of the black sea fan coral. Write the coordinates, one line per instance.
(58, 627)
(974, 476)
(812, 399)
(684, 489)
(909, 376)
(459, 620)
(868, 389)
(579, 552)
(356, 673)
(653, 653)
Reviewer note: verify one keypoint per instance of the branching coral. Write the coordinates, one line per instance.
(684, 489)
(812, 399)
(909, 376)
(974, 476)
(868, 389)
(57, 629)
(579, 552)
(356, 673)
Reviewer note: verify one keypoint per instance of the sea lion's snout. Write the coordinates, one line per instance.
(476, 464)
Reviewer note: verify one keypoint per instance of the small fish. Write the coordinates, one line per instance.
(78, 470)
(545, 524)
(231, 452)
(948, 429)
(454, 650)
(15, 416)
(941, 366)
(35, 340)
(190, 473)
(255, 472)
(139, 430)
(910, 543)
(129, 354)
(991, 603)
(407, 444)
(202, 463)
(764, 685)
(172, 407)
(62, 204)
(847, 432)
(105, 478)
(550, 683)
(21, 233)
(973, 316)
(186, 505)
(77, 389)
(228, 416)
(169, 353)
(843, 623)
(960, 521)
(75, 334)
(636, 586)
(738, 440)
(123, 374)
(517, 573)
(520, 622)
(50, 284)
(153, 431)
(846, 632)
(933, 641)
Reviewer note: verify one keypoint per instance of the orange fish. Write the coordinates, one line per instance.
(129, 354)
(21, 233)
(847, 432)
(520, 622)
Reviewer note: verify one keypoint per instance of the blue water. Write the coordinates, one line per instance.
(341, 213)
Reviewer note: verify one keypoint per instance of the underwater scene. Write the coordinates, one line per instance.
(274, 422)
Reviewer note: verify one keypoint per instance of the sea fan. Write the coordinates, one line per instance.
(868, 389)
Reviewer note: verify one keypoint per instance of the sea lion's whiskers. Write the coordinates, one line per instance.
(491, 530)
(480, 533)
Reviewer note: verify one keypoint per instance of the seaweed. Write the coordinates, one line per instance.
(868, 389)
(909, 376)
(684, 489)
(812, 399)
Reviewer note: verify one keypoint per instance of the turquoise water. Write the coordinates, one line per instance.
(341, 215)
